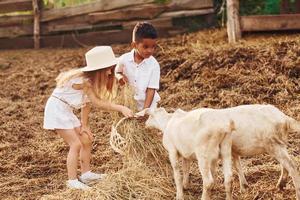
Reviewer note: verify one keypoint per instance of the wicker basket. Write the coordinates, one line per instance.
(117, 142)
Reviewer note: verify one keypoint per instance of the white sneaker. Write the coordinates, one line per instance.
(76, 184)
(89, 177)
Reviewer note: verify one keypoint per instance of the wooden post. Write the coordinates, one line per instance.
(297, 6)
(233, 21)
(284, 6)
(36, 23)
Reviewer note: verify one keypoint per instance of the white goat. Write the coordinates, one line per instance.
(259, 129)
(188, 134)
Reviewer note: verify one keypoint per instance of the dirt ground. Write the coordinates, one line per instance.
(197, 70)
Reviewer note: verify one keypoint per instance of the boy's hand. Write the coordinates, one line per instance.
(122, 79)
(143, 118)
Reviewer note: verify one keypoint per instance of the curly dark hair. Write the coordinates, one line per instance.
(143, 30)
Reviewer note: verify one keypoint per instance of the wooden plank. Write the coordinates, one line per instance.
(16, 43)
(79, 40)
(165, 22)
(103, 5)
(36, 24)
(87, 39)
(284, 6)
(187, 13)
(189, 4)
(297, 6)
(147, 11)
(233, 21)
(97, 17)
(171, 31)
(270, 22)
(69, 40)
(15, 5)
(16, 20)
(80, 19)
(65, 28)
(16, 31)
(48, 29)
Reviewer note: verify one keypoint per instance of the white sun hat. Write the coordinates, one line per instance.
(99, 57)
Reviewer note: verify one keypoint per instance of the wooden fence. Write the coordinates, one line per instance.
(237, 24)
(98, 23)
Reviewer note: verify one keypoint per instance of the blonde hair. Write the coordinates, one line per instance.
(100, 82)
(64, 77)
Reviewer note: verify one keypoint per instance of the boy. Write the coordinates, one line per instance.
(139, 68)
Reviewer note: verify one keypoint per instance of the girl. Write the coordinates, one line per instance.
(75, 89)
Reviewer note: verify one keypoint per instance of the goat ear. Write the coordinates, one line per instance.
(142, 113)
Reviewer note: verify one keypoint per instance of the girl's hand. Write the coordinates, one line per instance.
(86, 130)
(126, 111)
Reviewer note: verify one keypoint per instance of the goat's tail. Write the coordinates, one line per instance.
(228, 133)
(226, 143)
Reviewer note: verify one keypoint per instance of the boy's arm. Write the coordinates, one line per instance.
(152, 86)
(119, 74)
(149, 97)
(122, 79)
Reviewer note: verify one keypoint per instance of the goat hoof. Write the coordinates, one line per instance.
(179, 197)
(185, 185)
(281, 185)
(244, 188)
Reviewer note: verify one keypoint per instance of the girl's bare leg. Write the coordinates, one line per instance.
(85, 151)
(71, 138)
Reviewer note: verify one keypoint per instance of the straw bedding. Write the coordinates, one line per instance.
(197, 70)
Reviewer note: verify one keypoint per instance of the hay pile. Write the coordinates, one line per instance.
(198, 69)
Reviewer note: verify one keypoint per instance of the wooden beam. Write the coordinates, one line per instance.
(233, 21)
(270, 22)
(7, 6)
(16, 31)
(66, 28)
(165, 22)
(48, 29)
(16, 20)
(81, 40)
(189, 4)
(36, 24)
(87, 39)
(103, 5)
(297, 5)
(80, 19)
(69, 40)
(284, 6)
(16, 43)
(187, 13)
(147, 11)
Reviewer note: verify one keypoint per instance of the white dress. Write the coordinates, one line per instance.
(59, 107)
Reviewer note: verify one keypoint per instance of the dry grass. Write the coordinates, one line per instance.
(198, 70)
(134, 181)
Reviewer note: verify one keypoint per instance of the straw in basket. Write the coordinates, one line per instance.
(117, 142)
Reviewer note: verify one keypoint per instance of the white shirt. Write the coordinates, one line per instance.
(140, 76)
